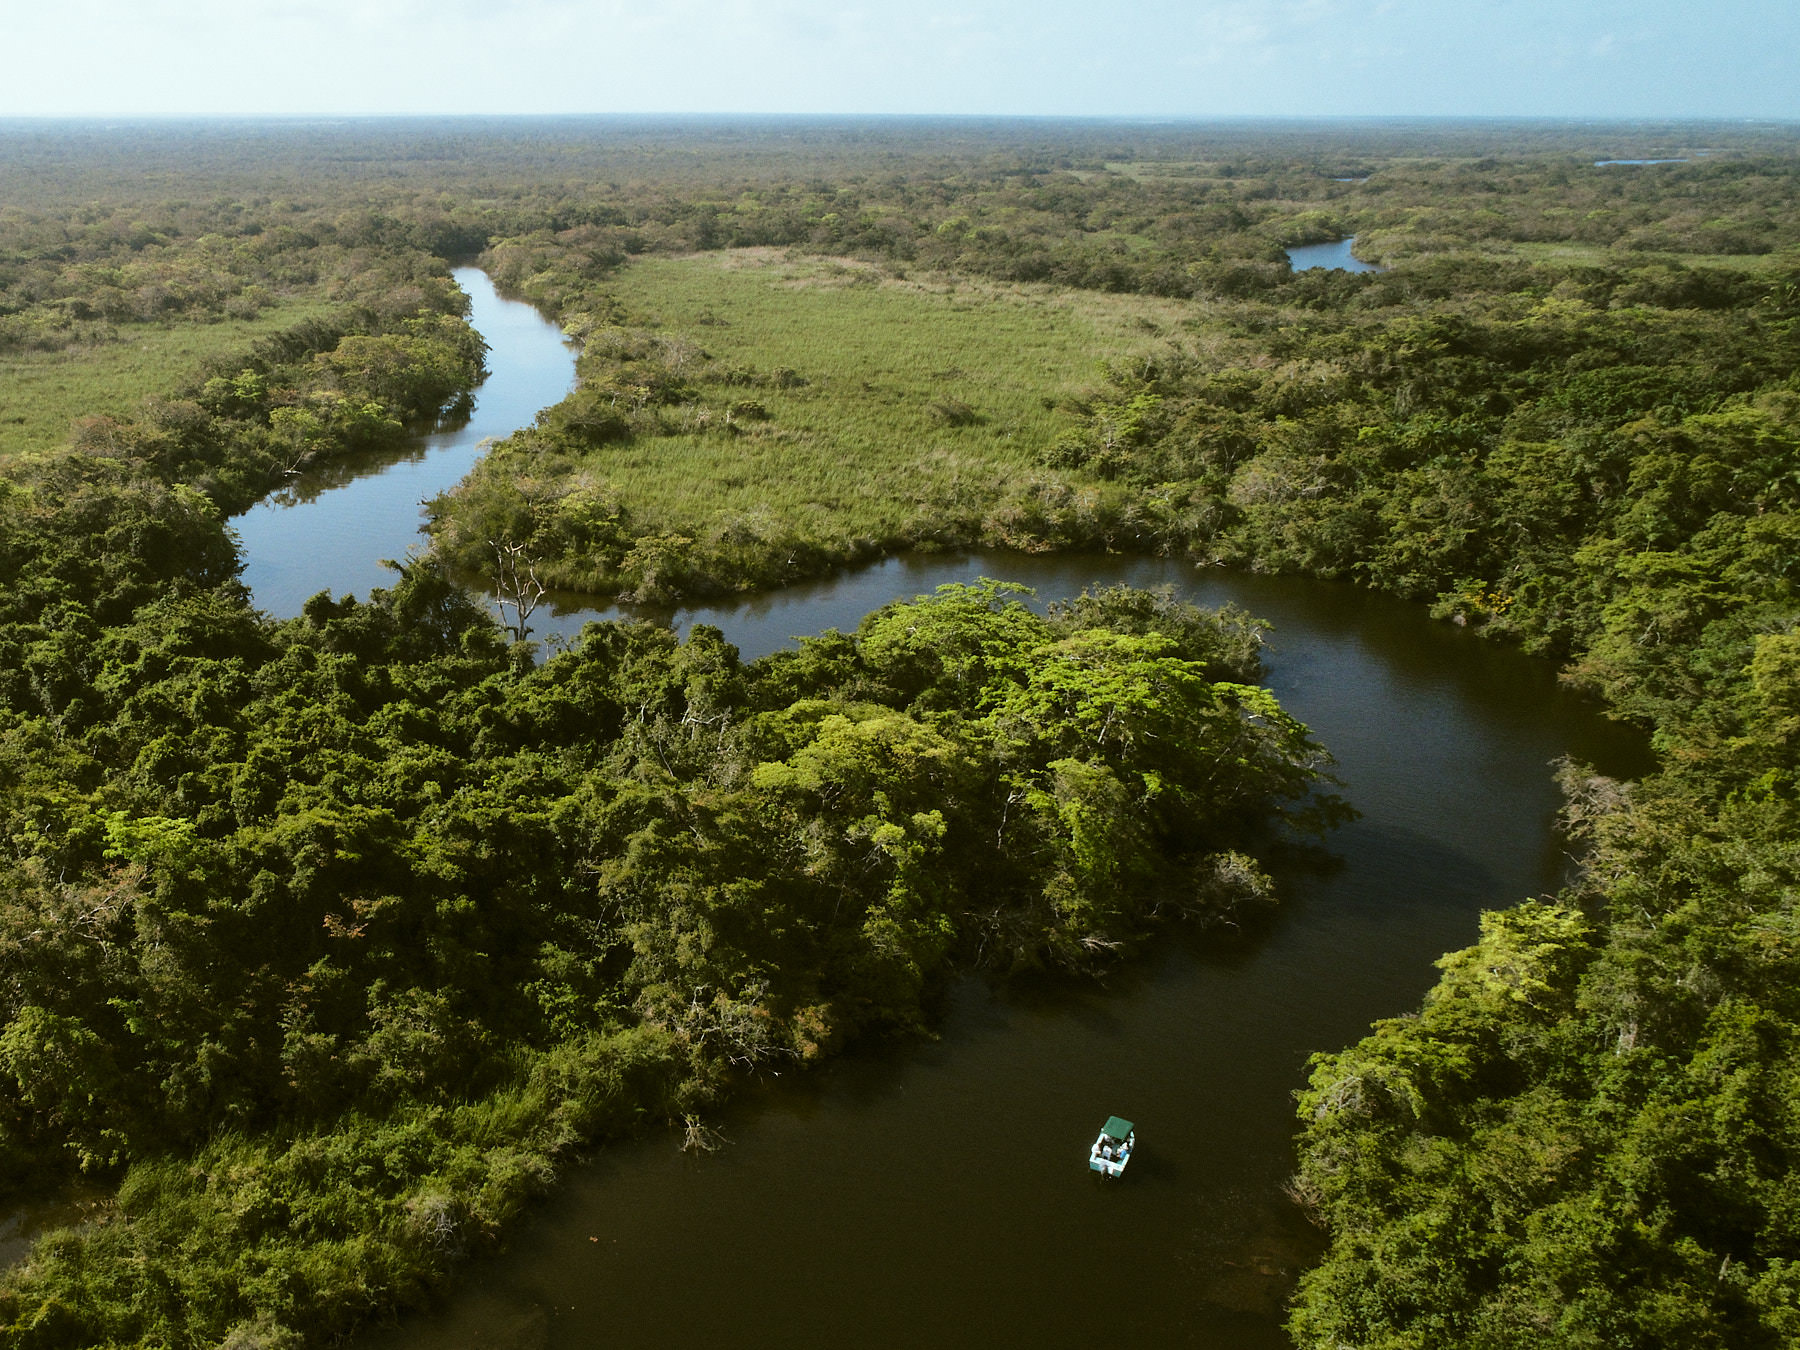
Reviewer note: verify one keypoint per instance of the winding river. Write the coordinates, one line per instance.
(935, 1192)
(331, 526)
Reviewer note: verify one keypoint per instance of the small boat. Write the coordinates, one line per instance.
(1112, 1148)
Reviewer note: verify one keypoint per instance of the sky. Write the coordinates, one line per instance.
(1642, 59)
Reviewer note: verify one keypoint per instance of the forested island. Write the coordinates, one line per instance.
(329, 942)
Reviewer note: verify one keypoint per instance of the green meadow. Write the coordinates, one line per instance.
(1597, 255)
(881, 392)
(43, 392)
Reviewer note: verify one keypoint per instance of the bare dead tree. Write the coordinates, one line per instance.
(699, 1137)
(516, 584)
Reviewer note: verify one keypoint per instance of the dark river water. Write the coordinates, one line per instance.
(935, 1192)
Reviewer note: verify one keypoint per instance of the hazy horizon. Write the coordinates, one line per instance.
(1150, 60)
(728, 116)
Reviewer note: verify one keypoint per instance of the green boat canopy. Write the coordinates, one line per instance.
(1117, 1128)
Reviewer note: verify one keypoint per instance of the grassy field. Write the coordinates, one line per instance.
(912, 389)
(1598, 255)
(41, 393)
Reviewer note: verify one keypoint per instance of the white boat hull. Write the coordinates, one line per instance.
(1109, 1156)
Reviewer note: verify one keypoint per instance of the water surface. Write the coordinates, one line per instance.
(936, 1193)
(1336, 254)
(331, 527)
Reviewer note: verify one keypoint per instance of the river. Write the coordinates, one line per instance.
(331, 526)
(935, 1192)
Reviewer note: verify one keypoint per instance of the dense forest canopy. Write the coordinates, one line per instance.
(327, 942)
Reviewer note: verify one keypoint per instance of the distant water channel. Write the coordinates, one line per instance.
(330, 527)
(935, 1192)
(1335, 254)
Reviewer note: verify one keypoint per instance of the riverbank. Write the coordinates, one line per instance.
(1441, 741)
(748, 419)
(1206, 1036)
(1466, 458)
(369, 866)
(330, 526)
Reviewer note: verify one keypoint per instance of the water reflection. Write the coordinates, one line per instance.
(73, 1203)
(1336, 254)
(333, 474)
(837, 1214)
(330, 527)
(840, 1213)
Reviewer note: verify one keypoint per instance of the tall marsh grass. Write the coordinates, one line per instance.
(42, 393)
(833, 406)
